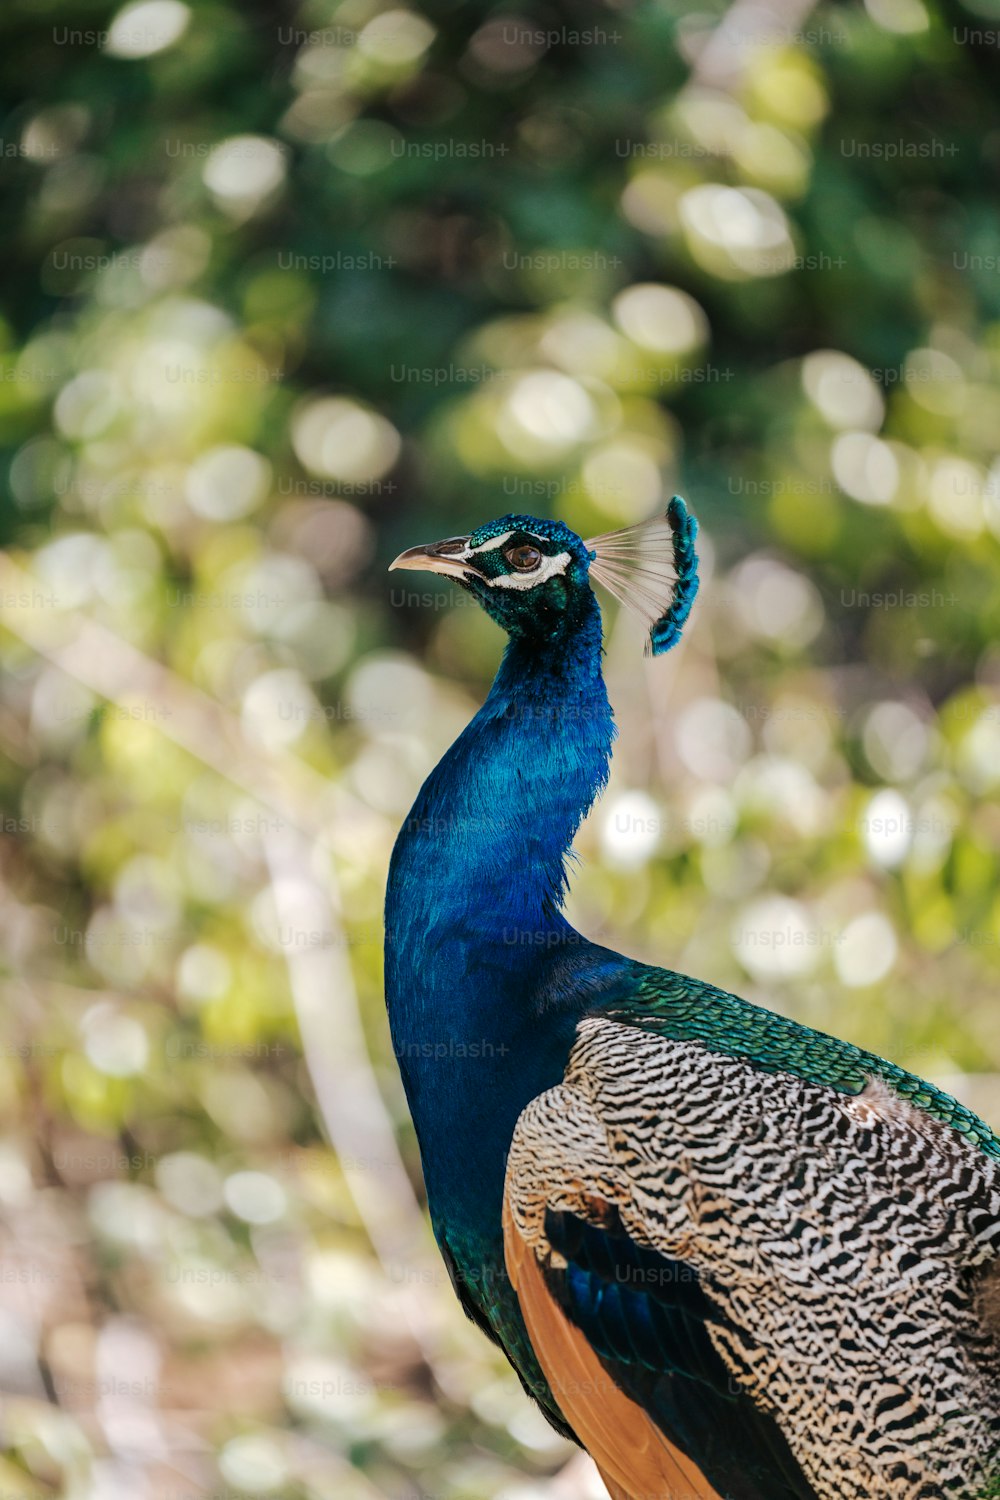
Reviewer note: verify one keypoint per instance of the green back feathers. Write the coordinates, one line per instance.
(688, 1010)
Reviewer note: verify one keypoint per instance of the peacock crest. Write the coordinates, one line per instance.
(652, 570)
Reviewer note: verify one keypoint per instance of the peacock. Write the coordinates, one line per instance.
(732, 1257)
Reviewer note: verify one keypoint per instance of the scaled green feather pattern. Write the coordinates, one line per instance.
(688, 1010)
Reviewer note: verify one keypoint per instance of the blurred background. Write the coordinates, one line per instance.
(285, 290)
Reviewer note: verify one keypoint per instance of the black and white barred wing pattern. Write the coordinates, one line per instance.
(815, 1271)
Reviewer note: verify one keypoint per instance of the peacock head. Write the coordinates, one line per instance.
(534, 576)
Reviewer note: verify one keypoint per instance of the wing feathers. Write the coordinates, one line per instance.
(634, 1457)
(790, 1284)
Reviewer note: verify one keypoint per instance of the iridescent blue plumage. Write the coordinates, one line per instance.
(480, 961)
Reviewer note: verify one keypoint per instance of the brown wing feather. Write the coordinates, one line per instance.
(634, 1457)
(614, 1490)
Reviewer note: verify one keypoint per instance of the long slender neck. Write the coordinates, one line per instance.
(482, 852)
(485, 978)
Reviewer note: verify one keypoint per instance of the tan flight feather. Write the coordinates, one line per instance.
(636, 1460)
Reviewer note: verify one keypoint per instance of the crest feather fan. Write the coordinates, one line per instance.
(651, 569)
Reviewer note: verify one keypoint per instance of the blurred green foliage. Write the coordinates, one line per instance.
(286, 290)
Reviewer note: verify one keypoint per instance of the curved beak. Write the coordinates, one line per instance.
(451, 557)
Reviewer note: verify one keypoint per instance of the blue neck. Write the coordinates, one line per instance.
(485, 978)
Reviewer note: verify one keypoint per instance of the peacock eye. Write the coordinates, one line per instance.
(523, 558)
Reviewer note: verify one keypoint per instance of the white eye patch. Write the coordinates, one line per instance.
(548, 568)
(492, 544)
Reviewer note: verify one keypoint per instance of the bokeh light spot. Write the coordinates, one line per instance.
(148, 27)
